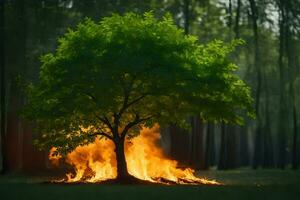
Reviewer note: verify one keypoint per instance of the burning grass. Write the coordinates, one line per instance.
(146, 163)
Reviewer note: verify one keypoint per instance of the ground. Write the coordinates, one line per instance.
(239, 184)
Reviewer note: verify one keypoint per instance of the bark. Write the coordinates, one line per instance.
(121, 160)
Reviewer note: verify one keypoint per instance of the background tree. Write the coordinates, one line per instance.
(2, 89)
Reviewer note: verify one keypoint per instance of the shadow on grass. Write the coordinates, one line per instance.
(241, 184)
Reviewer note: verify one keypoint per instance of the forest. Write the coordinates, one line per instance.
(267, 55)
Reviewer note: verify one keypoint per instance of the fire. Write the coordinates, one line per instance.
(96, 162)
(54, 157)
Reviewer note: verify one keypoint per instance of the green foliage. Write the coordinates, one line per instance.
(137, 67)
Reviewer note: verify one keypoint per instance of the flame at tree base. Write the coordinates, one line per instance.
(146, 161)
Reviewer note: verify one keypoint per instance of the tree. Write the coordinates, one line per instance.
(2, 89)
(288, 27)
(258, 135)
(290, 23)
(237, 19)
(108, 79)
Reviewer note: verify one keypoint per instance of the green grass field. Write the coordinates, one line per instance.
(239, 184)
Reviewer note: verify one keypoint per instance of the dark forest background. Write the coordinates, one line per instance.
(269, 62)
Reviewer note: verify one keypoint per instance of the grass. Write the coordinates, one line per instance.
(246, 177)
(240, 184)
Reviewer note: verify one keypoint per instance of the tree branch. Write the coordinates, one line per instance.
(91, 96)
(136, 121)
(126, 105)
(102, 134)
(105, 135)
(105, 121)
(136, 100)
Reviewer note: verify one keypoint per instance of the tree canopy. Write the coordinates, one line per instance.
(112, 76)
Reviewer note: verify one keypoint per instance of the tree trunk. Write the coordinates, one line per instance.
(197, 147)
(244, 146)
(258, 137)
(282, 99)
(237, 19)
(223, 149)
(122, 171)
(291, 65)
(230, 19)
(209, 148)
(2, 91)
(268, 161)
(292, 70)
(295, 163)
(179, 145)
(257, 159)
(231, 158)
(186, 12)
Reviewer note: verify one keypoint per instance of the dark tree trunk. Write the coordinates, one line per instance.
(292, 69)
(257, 160)
(242, 156)
(228, 150)
(295, 163)
(14, 134)
(21, 34)
(258, 133)
(244, 146)
(179, 145)
(209, 148)
(2, 90)
(230, 19)
(237, 19)
(186, 12)
(197, 147)
(223, 149)
(212, 156)
(282, 99)
(268, 161)
(122, 171)
(231, 158)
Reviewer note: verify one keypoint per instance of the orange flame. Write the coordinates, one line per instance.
(54, 157)
(145, 160)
